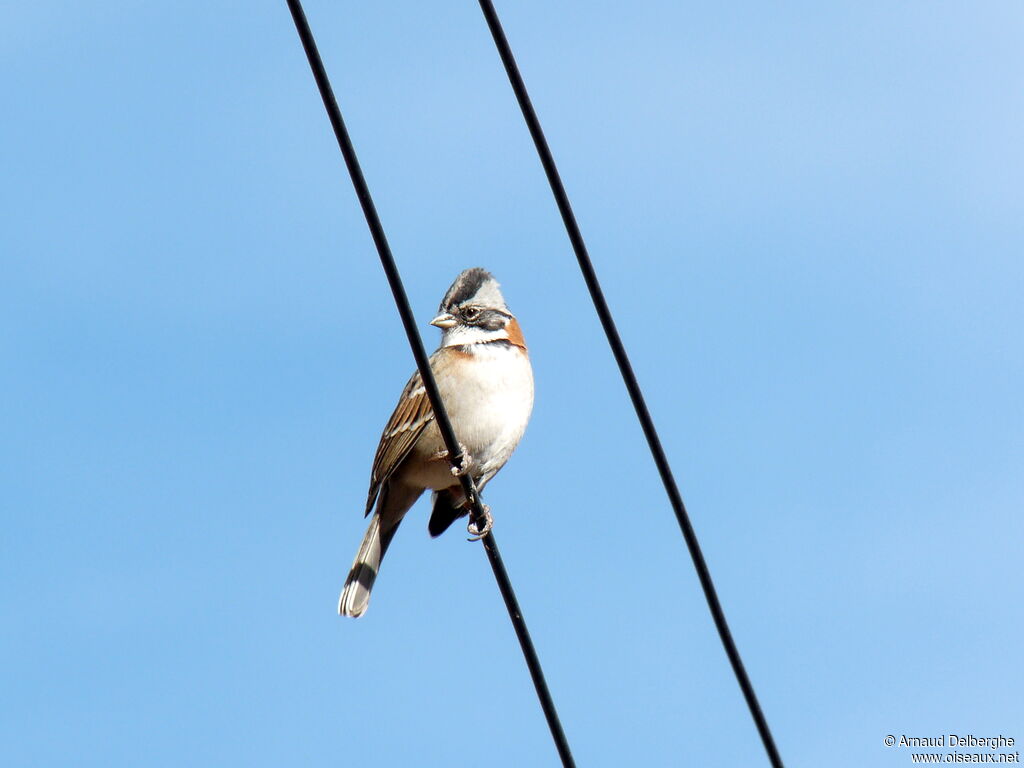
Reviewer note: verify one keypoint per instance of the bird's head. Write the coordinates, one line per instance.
(473, 311)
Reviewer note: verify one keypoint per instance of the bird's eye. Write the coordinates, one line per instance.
(471, 313)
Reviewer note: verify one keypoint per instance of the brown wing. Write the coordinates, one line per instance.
(410, 418)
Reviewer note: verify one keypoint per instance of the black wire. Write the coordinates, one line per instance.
(619, 351)
(423, 363)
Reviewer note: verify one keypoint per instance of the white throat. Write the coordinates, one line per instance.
(466, 335)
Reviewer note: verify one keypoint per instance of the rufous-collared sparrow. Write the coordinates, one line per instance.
(484, 377)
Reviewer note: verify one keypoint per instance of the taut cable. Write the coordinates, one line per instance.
(455, 454)
(632, 385)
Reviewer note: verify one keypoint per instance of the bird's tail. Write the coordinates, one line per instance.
(356, 594)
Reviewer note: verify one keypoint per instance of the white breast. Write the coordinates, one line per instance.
(489, 396)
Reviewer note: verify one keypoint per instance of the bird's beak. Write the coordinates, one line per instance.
(444, 320)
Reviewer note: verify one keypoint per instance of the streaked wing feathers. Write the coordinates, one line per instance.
(411, 416)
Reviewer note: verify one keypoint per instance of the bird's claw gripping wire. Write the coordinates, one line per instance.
(464, 465)
(457, 470)
(478, 532)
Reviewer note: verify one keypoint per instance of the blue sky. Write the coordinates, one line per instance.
(809, 224)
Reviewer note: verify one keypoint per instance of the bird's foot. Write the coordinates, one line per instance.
(477, 532)
(457, 470)
(463, 467)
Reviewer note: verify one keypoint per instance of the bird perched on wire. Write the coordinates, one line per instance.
(484, 377)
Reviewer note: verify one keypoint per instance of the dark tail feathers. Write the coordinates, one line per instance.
(445, 512)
